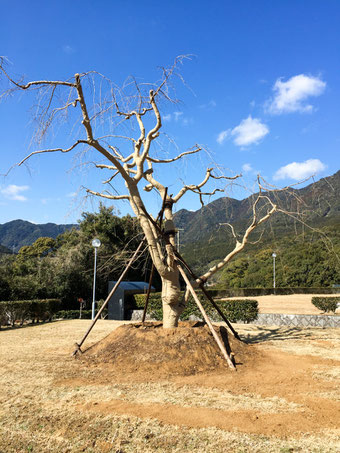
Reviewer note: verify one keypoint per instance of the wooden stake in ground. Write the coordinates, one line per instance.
(132, 259)
(181, 259)
(207, 320)
(159, 219)
(148, 293)
(210, 299)
(220, 312)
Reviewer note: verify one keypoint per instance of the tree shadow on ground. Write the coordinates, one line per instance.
(265, 334)
(18, 326)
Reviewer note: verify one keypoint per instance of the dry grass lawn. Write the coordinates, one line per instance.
(287, 402)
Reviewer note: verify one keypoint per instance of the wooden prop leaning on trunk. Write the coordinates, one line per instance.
(179, 259)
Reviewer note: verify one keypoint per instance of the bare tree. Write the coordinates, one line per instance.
(133, 157)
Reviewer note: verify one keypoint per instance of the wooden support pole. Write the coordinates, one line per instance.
(132, 259)
(211, 300)
(206, 318)
(180, 259)
(159, 225)
(220, 312)
(148, 293)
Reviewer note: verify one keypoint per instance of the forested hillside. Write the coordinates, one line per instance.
(318, 204)
(310, 260)
(307, 246)
(4, 249)
(17, 233)
(309, 232)
(63, 267)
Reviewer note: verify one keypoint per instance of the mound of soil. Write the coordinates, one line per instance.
(186, 350)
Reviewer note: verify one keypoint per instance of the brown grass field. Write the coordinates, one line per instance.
(283, 398)
(295, 304)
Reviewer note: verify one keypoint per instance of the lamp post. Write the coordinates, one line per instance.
(178, 240)
(274, 256)
(95, 243)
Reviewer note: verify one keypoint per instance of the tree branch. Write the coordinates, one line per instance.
(240, 245)
(110, 197)
(230, 178)
(35, 83)
(54, 150)
(111, 178)
(166, 161)
(193, 187)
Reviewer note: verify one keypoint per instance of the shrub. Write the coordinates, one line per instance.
(240, 310)
(3, 320)
(220, 291)
(326, 304)
(235, 310)
(99, 306)
(16, 311)
(24, 310)
(73, 314)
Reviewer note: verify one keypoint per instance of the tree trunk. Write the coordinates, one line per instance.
(171, 300)
(164, 263)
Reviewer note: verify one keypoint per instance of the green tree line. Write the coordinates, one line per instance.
(63, 267)
(309, 260)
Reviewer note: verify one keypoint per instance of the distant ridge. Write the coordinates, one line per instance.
(203, 238)
(321, 202)
(5, 250)
(15, 234)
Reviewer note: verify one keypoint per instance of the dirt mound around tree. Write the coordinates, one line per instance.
(150, 349)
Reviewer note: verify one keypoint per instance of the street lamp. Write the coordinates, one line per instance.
(178, 240)
(95, 243)
(274, 256)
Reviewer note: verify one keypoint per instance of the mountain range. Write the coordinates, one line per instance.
(202, 237)
(15, 234)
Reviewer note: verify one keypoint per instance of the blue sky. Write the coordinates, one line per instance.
(262, 91)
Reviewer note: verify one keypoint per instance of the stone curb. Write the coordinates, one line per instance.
(275, 319)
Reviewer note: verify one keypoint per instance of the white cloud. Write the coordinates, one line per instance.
(299, 170)
(290, 96)
(178, 118)
(209, 106)
(51, 200)
(249, 131)
(177, 115)
(222, 136)
(247, 168)
(68, 49)
(12, 192)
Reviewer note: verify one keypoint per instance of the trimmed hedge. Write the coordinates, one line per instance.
(73, 314)
(326, 304)
(85, 314)
(243, 310)
(219, 291)
(235, 310)
(25, 310)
